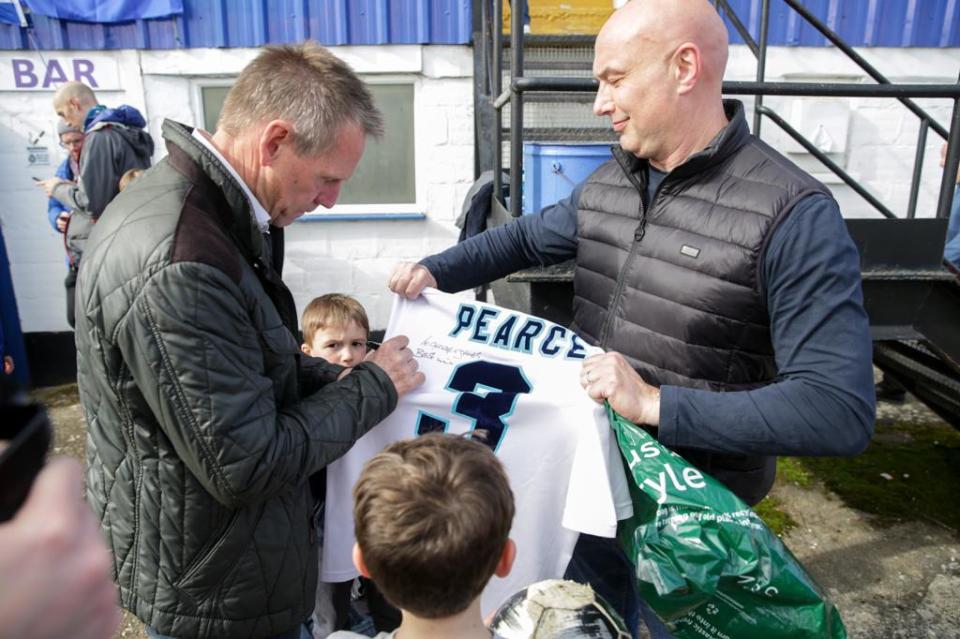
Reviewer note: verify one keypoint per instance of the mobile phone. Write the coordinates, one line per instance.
(25, 436)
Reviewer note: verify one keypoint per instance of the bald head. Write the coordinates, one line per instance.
(660, 64)
(658, 28)
(77, 90)
(72, 101)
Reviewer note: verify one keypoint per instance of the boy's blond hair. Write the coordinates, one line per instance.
(432, 515)
(332, 310)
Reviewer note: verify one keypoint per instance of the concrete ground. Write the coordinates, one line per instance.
(890, 580)
(896, 579)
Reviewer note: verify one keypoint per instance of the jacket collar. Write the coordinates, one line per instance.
(200, 165)
(727, 142)
(92, 116)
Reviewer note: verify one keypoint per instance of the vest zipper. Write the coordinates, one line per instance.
(638, 235)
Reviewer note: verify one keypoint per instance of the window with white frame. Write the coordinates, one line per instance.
(385, 179)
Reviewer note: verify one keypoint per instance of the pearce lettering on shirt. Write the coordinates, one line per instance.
(514, 332)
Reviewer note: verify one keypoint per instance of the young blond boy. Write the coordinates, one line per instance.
(432, 517)
(335, 328)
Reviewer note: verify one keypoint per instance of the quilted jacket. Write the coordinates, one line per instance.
(204, 420)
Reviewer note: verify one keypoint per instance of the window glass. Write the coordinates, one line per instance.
(385, 174)
(213, 98)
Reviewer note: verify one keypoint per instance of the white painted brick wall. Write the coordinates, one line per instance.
(357, 257)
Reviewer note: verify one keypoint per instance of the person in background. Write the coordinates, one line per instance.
(204, 419)
(115, 141)
(432, 516)
(719, 277)
(951, 250)
(71, 139)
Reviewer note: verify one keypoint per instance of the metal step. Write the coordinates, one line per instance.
(558, 117)
(931, 377)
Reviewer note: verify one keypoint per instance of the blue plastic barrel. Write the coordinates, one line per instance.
(550, 171)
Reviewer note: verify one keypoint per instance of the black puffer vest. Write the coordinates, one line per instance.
(676, 285)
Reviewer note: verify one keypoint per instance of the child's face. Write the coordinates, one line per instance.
(345, 345)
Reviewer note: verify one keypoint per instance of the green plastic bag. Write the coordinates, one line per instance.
(705, 562)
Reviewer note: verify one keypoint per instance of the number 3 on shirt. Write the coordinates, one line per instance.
(486, 393)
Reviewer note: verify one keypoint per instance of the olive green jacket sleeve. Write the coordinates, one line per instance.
(199, 362)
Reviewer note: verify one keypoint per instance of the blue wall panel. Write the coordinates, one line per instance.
(253, 23)
(367, 22)
(870, 23)
(410, 20)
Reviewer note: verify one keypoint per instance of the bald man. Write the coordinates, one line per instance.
(718, 276)
(114, 142)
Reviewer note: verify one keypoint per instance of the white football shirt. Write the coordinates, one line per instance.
(516, 376)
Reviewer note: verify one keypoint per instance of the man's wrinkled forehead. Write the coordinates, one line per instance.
(605, 66)
(608, 53)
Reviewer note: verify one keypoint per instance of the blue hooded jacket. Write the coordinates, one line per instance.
(123, 114)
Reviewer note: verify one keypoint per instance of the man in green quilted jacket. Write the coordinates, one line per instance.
(205, 420)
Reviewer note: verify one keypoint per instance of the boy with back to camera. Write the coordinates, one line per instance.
(432, 517)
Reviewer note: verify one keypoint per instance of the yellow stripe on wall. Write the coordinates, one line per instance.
(553, 17)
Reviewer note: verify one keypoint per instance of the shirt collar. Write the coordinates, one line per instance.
(259, 213)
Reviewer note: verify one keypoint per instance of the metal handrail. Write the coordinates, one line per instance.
(950, 169)
(739, 26)
(884, 89)
(917, 170)
(830, 164)
(521, 85)
(761, 61)
(495, 82)
(810, 89)
(516, 112)
(849, 51)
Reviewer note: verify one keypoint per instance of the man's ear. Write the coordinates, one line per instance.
(277, 135)
(506, 559)
(305, 349)
(358, 561)
(688, 67)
